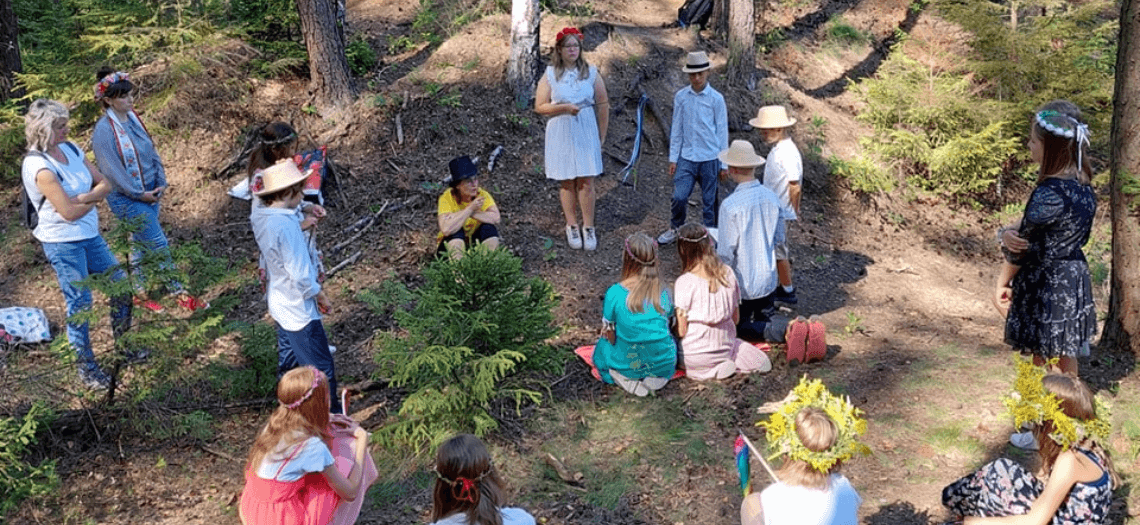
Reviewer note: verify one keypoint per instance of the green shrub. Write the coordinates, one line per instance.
(463, 334)
(19, 479)
(841, 32)
(361, 57)
(862, 174)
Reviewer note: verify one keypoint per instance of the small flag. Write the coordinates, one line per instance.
(742, 466)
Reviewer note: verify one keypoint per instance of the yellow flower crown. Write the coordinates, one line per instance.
(1029, 402)
(781, 427)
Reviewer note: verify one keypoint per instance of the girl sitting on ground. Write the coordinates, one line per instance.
(294, 476)
(636, 350)
(1077, 469)
(708, 301)
(810, 489)
(468, 490)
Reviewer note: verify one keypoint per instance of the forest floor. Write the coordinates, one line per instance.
(903, 281)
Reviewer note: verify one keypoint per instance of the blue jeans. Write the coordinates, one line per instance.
(689, 173)
(308, 346)
(73, 262)
(149, 236)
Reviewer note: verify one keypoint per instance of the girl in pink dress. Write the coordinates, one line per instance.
(294, 475)
(708, 302)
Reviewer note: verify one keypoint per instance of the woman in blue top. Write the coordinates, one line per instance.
(637, 350)
(127, 156)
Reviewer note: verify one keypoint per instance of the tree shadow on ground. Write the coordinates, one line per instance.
(898, 513)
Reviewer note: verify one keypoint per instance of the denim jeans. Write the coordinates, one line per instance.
(757, 322)
(73, 262)
(308, 346)
(689, 173)
(149, 237)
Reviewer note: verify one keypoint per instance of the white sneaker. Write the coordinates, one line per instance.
(591, 242)
(655, 383)
(1024, 440)
(633, 386)
(669, 236)
(573, 237)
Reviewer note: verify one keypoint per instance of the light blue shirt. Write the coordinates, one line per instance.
(700, 125)
(292, 276)
(751, 225)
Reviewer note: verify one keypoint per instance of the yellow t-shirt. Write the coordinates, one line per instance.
(448, 204)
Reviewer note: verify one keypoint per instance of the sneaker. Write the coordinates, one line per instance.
(785, 296)
(136, 356)
(591, 241)
(1024, 440)
(573, 237)
(149, 305)
(95, 380)
(669, 236)
(655, 383)
(633, 386)
(192, 303)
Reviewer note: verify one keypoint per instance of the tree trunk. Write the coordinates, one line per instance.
(10, 53)
(718, 21)
(522, 69)
(328, 68)
(1122, 329)
(741, 41)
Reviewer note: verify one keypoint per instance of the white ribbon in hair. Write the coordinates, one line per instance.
(1079, 132)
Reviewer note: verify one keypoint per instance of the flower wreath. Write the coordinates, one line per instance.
(781, 427)
(105, 82)
(567, 31)
(1029, 402)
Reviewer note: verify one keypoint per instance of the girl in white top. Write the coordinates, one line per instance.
(468, 490)
(573, 95)
(806, 496)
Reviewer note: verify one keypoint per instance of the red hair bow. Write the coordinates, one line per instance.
(567, 31)
(466, 486)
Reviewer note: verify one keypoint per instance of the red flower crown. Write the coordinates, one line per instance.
(567, 31)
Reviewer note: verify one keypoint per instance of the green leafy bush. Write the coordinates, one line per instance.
(361, 57)
(463, 334)
(862, 174)
(19, 479)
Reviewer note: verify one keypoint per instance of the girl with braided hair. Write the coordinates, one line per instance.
(1044, 286)
(468, 490)
(307, 466)
(636, 350)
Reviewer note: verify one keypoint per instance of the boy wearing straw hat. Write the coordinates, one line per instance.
(295, 298)
(783, 172)
(700, 132)
(751, 225)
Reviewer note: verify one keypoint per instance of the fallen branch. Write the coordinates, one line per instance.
(351, 259)
(221, 454)
(399, 129)
(371, 220)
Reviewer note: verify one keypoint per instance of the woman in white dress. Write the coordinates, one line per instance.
(574, 96)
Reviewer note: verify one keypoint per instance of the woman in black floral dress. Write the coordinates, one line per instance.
(1078, 473)
(1044, 284)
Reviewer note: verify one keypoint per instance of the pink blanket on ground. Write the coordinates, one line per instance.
(587, 355)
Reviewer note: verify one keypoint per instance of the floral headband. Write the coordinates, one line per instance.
(309, 393)
(1065, 126)
(781, 427)
(1030, 402)
(463, 489)
(106, 82)
(629, 252)
(565, 32)
(704, 235)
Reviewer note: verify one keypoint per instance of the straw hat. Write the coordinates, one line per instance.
(741, 154)
(696, 62)
(277, 177)
(771, 117)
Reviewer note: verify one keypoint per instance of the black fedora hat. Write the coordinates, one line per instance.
(462, 169)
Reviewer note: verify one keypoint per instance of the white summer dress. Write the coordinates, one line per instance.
(573, 148)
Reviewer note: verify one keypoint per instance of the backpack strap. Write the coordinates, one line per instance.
(53, 162)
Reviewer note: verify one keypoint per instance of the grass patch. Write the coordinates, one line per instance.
(949, 439)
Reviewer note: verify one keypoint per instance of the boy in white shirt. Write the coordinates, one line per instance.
(783, 171)
(295, 298)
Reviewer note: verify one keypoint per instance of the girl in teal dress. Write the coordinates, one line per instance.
(637, 351)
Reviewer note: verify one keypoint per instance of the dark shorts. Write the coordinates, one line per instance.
(482, 233)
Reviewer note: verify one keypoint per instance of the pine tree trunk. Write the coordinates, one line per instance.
(522, 69)
(718, 21)
(1122, 329)
(10, 52)
(741, 41)
(328, 68)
